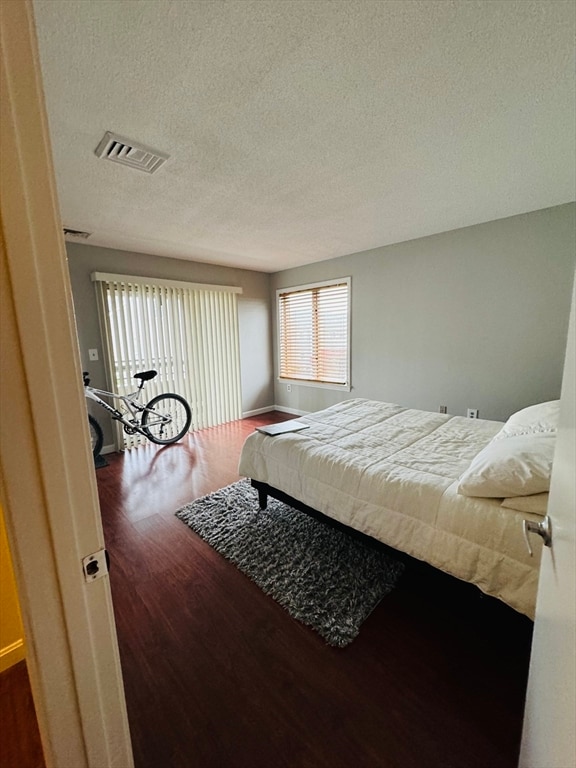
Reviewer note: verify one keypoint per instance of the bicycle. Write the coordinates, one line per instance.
(163, 420)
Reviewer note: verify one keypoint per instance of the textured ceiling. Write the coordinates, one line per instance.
(300, 130)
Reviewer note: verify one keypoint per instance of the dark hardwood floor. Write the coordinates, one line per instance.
(217, 675)
(20, 745)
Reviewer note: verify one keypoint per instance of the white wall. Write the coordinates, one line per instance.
(253, 312)
(475, 317)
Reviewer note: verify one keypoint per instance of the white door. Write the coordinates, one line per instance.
(47, 484)
(548, 739)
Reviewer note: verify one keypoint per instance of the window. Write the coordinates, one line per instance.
(314, 333)
(187, 332)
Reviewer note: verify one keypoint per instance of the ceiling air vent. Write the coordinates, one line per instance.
(77, 233)
(127, 152)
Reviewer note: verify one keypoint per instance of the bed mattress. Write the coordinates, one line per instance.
(391, 472)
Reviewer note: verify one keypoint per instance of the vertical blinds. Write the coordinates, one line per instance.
(313, 329)
(186, 332)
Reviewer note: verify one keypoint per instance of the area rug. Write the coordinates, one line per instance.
(324, 577)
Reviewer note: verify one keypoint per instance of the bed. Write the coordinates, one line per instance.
(448, 490)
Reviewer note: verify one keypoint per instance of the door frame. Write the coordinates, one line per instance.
(47, 481)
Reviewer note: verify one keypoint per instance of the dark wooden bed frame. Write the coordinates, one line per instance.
(265, 490)
(416, 566)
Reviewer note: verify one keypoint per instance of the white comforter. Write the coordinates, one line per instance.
(390, 472)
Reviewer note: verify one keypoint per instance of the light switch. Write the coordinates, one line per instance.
(93, 354)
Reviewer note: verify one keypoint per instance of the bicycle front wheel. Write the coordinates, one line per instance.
(166, 419)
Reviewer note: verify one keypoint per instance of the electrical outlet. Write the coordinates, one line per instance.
(288, 387)
(472, 413)
(93, 354)
(443, 409)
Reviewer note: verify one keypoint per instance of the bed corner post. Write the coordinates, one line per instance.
(262, 498)
(262, 493)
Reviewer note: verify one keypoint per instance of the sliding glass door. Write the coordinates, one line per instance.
(187, 332)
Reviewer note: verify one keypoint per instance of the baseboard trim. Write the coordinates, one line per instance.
(108, 449)
(12, 654)
(268, 409)
(257, 411)
(293, 411)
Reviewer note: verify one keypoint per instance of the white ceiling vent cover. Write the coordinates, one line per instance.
(127, 152)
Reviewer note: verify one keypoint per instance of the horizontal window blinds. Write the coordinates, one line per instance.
(189, 335)
(314, 333)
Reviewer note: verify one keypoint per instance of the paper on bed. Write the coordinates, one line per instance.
(282, 427)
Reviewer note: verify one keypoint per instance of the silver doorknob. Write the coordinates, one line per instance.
(543, 529)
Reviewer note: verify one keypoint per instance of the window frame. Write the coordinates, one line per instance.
(346, 387)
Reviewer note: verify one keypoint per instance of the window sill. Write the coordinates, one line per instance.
(315, 384)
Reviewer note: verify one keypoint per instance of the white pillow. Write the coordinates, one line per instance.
(536, 504)
(519, 465)
(542, 417)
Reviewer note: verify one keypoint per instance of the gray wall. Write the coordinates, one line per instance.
(476, 317)
(253, 312)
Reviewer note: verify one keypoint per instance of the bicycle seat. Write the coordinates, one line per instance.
(145, 375)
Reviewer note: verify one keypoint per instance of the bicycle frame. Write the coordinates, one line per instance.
(135, 408)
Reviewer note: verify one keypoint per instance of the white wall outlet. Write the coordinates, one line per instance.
(443, 409)
(472, 413)
(95, 565)
(288, 387)
(93, 354)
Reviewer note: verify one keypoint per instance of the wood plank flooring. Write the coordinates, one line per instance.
(20, 745)
(217, 675)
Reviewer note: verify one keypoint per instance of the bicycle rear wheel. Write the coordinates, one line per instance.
(166, 419)
(96, 436)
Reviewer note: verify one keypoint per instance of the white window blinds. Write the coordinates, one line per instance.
(314, 323)
(186, 332)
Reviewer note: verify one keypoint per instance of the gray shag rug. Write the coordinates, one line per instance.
(323, 577)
